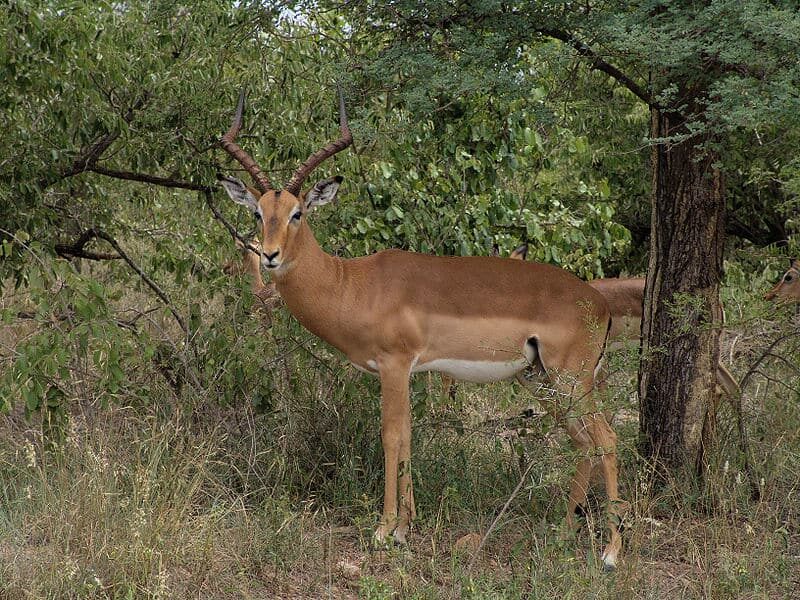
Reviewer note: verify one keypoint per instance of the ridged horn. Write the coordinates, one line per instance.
(232, 148)
(313, 161)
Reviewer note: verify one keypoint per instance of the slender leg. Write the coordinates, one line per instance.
(406, 511)
(605, 443)
(396, 439)
(592, 436)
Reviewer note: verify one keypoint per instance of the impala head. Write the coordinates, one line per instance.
(282, 212)
(788, 288)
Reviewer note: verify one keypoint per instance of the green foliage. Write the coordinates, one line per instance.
(727, 67)
(75, 329)
(483, 176)
(227, 441)
(102, 94)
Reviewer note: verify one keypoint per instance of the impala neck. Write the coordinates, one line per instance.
(253, 270)
(311, 274)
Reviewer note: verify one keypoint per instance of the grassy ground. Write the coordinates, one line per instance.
(274, 493)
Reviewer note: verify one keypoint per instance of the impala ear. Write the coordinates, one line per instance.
(520, 252)
(239, 192)
(323, 192)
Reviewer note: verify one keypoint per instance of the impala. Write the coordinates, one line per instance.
(250, 265)
(788, 288)
(395, 313)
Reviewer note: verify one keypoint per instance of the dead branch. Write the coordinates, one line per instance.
(77, 249)
(150, 283)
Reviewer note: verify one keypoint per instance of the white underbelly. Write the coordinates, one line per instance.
(371, 367)
(476, 371)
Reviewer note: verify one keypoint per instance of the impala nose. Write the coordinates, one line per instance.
(269, 257)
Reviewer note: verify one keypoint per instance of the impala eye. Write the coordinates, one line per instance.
(788, 278)
(296, 216)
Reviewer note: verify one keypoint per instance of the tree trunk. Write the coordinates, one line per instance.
(682, 312)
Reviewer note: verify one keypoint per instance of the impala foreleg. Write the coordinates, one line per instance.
(398, 493)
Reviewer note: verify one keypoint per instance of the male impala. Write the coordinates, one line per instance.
(788, 288)
(395, 313)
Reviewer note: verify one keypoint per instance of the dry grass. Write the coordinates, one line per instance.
(180, 493)
(142, 506)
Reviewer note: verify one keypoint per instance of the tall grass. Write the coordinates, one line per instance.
(273, 490)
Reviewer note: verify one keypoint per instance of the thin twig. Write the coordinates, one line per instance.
(499, 516)
(150, 283)
(754, 365)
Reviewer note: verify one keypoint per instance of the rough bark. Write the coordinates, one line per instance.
(682, 313)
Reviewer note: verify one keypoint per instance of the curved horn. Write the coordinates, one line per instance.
(232, 148)
(313, 161)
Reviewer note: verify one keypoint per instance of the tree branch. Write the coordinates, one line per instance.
(90, 154)
(208, 191)
(76, 249)
(150, 283)
(599, 64)
(174, 183)
(147, 178)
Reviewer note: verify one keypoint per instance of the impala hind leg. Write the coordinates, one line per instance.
(595, 439)
(570, 401)
(398, 492)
